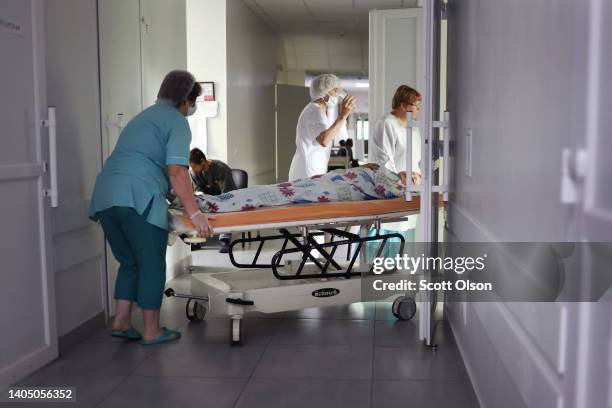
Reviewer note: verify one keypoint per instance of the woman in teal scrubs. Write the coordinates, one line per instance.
(129, 201)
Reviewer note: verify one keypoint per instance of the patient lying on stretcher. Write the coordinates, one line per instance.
(368, 182)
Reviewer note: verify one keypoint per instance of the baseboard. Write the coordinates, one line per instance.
(468, 366)
(80, 333)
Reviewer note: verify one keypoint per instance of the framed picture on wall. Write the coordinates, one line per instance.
(208, 91)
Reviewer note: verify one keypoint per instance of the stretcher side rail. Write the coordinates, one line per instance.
(307, 249)
(329, 226)
(261, 240)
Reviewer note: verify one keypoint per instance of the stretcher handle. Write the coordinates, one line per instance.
(240, 302)
(171, 293)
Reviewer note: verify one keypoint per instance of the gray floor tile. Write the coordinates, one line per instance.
(202, 360)
(89, 390)
(321, 362)
(166, 392)
(396, 333)
(172, 315)
(430, 394)
(353, 311)
(99, 359)
(383, 311)
(418, 363)
(103, 335)
(255, 331)
(276, 393)
(332, 332)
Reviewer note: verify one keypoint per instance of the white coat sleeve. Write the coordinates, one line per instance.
(318, 124)
(384, 145)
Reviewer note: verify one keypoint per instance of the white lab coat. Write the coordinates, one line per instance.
(310, 158)
(387, 147)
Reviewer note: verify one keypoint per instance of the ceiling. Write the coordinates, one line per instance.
(324, 35)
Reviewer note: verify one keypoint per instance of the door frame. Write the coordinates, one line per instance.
(430, 49)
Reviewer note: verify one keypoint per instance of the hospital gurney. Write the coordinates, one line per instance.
(275, 286)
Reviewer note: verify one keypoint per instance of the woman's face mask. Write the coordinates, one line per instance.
(191, 109)
(332, 101)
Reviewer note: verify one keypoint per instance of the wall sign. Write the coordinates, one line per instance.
(208, 91)
(10, 27)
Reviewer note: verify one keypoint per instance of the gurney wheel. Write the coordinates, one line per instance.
(404, 308)
(195, 311)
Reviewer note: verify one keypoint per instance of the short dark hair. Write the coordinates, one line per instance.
(195, 92)
(197, 156)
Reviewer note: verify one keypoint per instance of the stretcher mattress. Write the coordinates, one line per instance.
(304, 214)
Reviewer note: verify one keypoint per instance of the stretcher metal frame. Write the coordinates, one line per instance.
(306, 248)
(316, 282)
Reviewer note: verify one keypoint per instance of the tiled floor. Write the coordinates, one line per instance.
(346, 356)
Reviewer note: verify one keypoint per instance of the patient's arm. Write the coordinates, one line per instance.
(371, 166)
(416, 177)
(181, 184)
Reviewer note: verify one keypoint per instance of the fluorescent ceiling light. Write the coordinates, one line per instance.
(362, 84)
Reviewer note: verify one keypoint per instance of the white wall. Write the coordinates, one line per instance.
(512, 81)
(230, 45)
(207, 60)
(164, 46)
(253, 54)
(295, 77)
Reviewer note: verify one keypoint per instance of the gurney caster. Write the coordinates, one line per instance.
(404, 308)
(195, 311)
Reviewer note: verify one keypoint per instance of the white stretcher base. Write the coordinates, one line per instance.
(269, 294)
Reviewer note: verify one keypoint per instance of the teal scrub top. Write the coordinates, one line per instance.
(135, 174)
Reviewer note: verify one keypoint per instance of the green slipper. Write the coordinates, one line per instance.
(129, 334)
(167, 335)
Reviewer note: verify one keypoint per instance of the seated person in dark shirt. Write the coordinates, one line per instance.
(347, 150)
(211, 177)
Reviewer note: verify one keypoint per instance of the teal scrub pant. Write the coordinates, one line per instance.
(140, 249)
(392, 247)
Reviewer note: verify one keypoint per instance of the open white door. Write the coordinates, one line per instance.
(404, 49)
(27, 298)
(396, 57)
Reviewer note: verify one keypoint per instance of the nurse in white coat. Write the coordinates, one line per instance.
(388, 142)
(387, 148)
(315, 132)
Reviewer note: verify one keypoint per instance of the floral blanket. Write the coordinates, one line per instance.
(356, 184)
